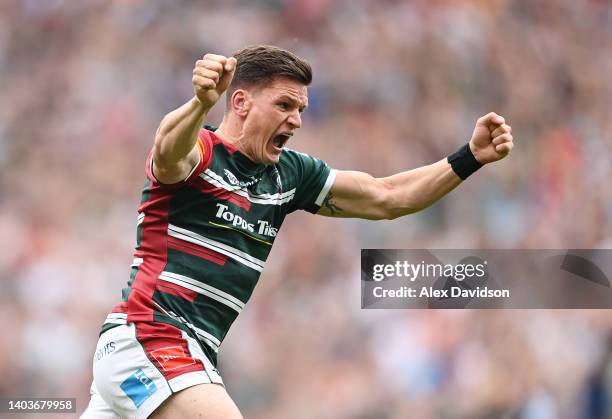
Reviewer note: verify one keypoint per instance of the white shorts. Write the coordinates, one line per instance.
(138, 366)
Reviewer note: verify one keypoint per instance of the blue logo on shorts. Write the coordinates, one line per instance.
(138, 387)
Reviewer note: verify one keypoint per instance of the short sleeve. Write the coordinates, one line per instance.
(205, 147)
(313, 179)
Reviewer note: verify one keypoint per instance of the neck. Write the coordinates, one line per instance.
(231, 132)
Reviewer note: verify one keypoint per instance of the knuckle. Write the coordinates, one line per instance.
(215, 57)
(213, 66)
(212, 74)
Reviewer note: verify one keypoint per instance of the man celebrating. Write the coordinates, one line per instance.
(211, 208)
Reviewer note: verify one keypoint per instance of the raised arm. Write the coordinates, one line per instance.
(360, 195)
(175, 153)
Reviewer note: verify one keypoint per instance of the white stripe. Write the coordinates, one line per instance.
(194, 167)
(209, 339)
(115, 321)
(237, 255)
(264, 199)
(274, 201)
(328, 184)
(218, 181)
(136, 262)
(207, 287)
(116, 318)
(140, 218)
(199, 287)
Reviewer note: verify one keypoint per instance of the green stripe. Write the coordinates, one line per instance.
(108, 326)
(145, 191)
(232, 278)
(206, 314)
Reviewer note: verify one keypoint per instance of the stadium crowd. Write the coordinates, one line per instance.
(397, 84)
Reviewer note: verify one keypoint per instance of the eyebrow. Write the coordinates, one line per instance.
(291, 99)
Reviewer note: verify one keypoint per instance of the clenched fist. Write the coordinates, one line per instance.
(492, 139)
(211, 77)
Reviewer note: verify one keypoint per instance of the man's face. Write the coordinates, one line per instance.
(273, 117)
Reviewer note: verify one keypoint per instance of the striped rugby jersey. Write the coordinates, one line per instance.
(201, 244)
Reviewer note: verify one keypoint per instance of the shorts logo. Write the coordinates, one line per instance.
(138, 387)
(172, 357)
(107, 349)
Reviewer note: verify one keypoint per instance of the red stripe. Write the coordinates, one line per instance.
(217, 140)
(120, 308)
(160, 339)
(177, 290)
(195, 250)
(206, 145)
(220, 193)
(153, 244)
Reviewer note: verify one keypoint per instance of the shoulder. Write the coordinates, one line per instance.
(296, 160)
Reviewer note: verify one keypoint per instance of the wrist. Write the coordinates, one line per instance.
(464, 162)
(200, 106)
(476, 153)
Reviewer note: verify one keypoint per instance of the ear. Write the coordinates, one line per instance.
(241, 102)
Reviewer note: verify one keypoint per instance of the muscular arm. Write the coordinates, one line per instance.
(175, 153)
(360, 195)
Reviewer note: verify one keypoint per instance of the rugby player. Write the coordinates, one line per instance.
(211, 208)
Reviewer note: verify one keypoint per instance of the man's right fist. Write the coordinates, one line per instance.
(211, 77)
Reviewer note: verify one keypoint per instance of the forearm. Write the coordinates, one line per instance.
(360, 195)
(178, 132)
(416, 189)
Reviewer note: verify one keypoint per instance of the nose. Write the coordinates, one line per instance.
(295, 119)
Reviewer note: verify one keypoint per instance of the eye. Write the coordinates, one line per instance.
(284, 106)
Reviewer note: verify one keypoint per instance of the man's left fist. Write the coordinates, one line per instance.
(492, 139)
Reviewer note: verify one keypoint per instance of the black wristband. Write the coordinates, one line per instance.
(463, 162)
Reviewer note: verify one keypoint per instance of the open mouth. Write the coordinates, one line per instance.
(279, 140)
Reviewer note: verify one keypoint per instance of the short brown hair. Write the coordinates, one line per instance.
(260, 64)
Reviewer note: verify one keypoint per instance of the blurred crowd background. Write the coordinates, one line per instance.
(398, 84)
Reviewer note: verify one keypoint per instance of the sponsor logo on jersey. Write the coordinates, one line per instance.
(107, 349)
(234, 180)
(172, 357)
(138, 387)
(260, 226)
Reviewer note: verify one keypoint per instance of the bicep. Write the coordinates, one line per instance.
(356, 195)
(173, 172)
